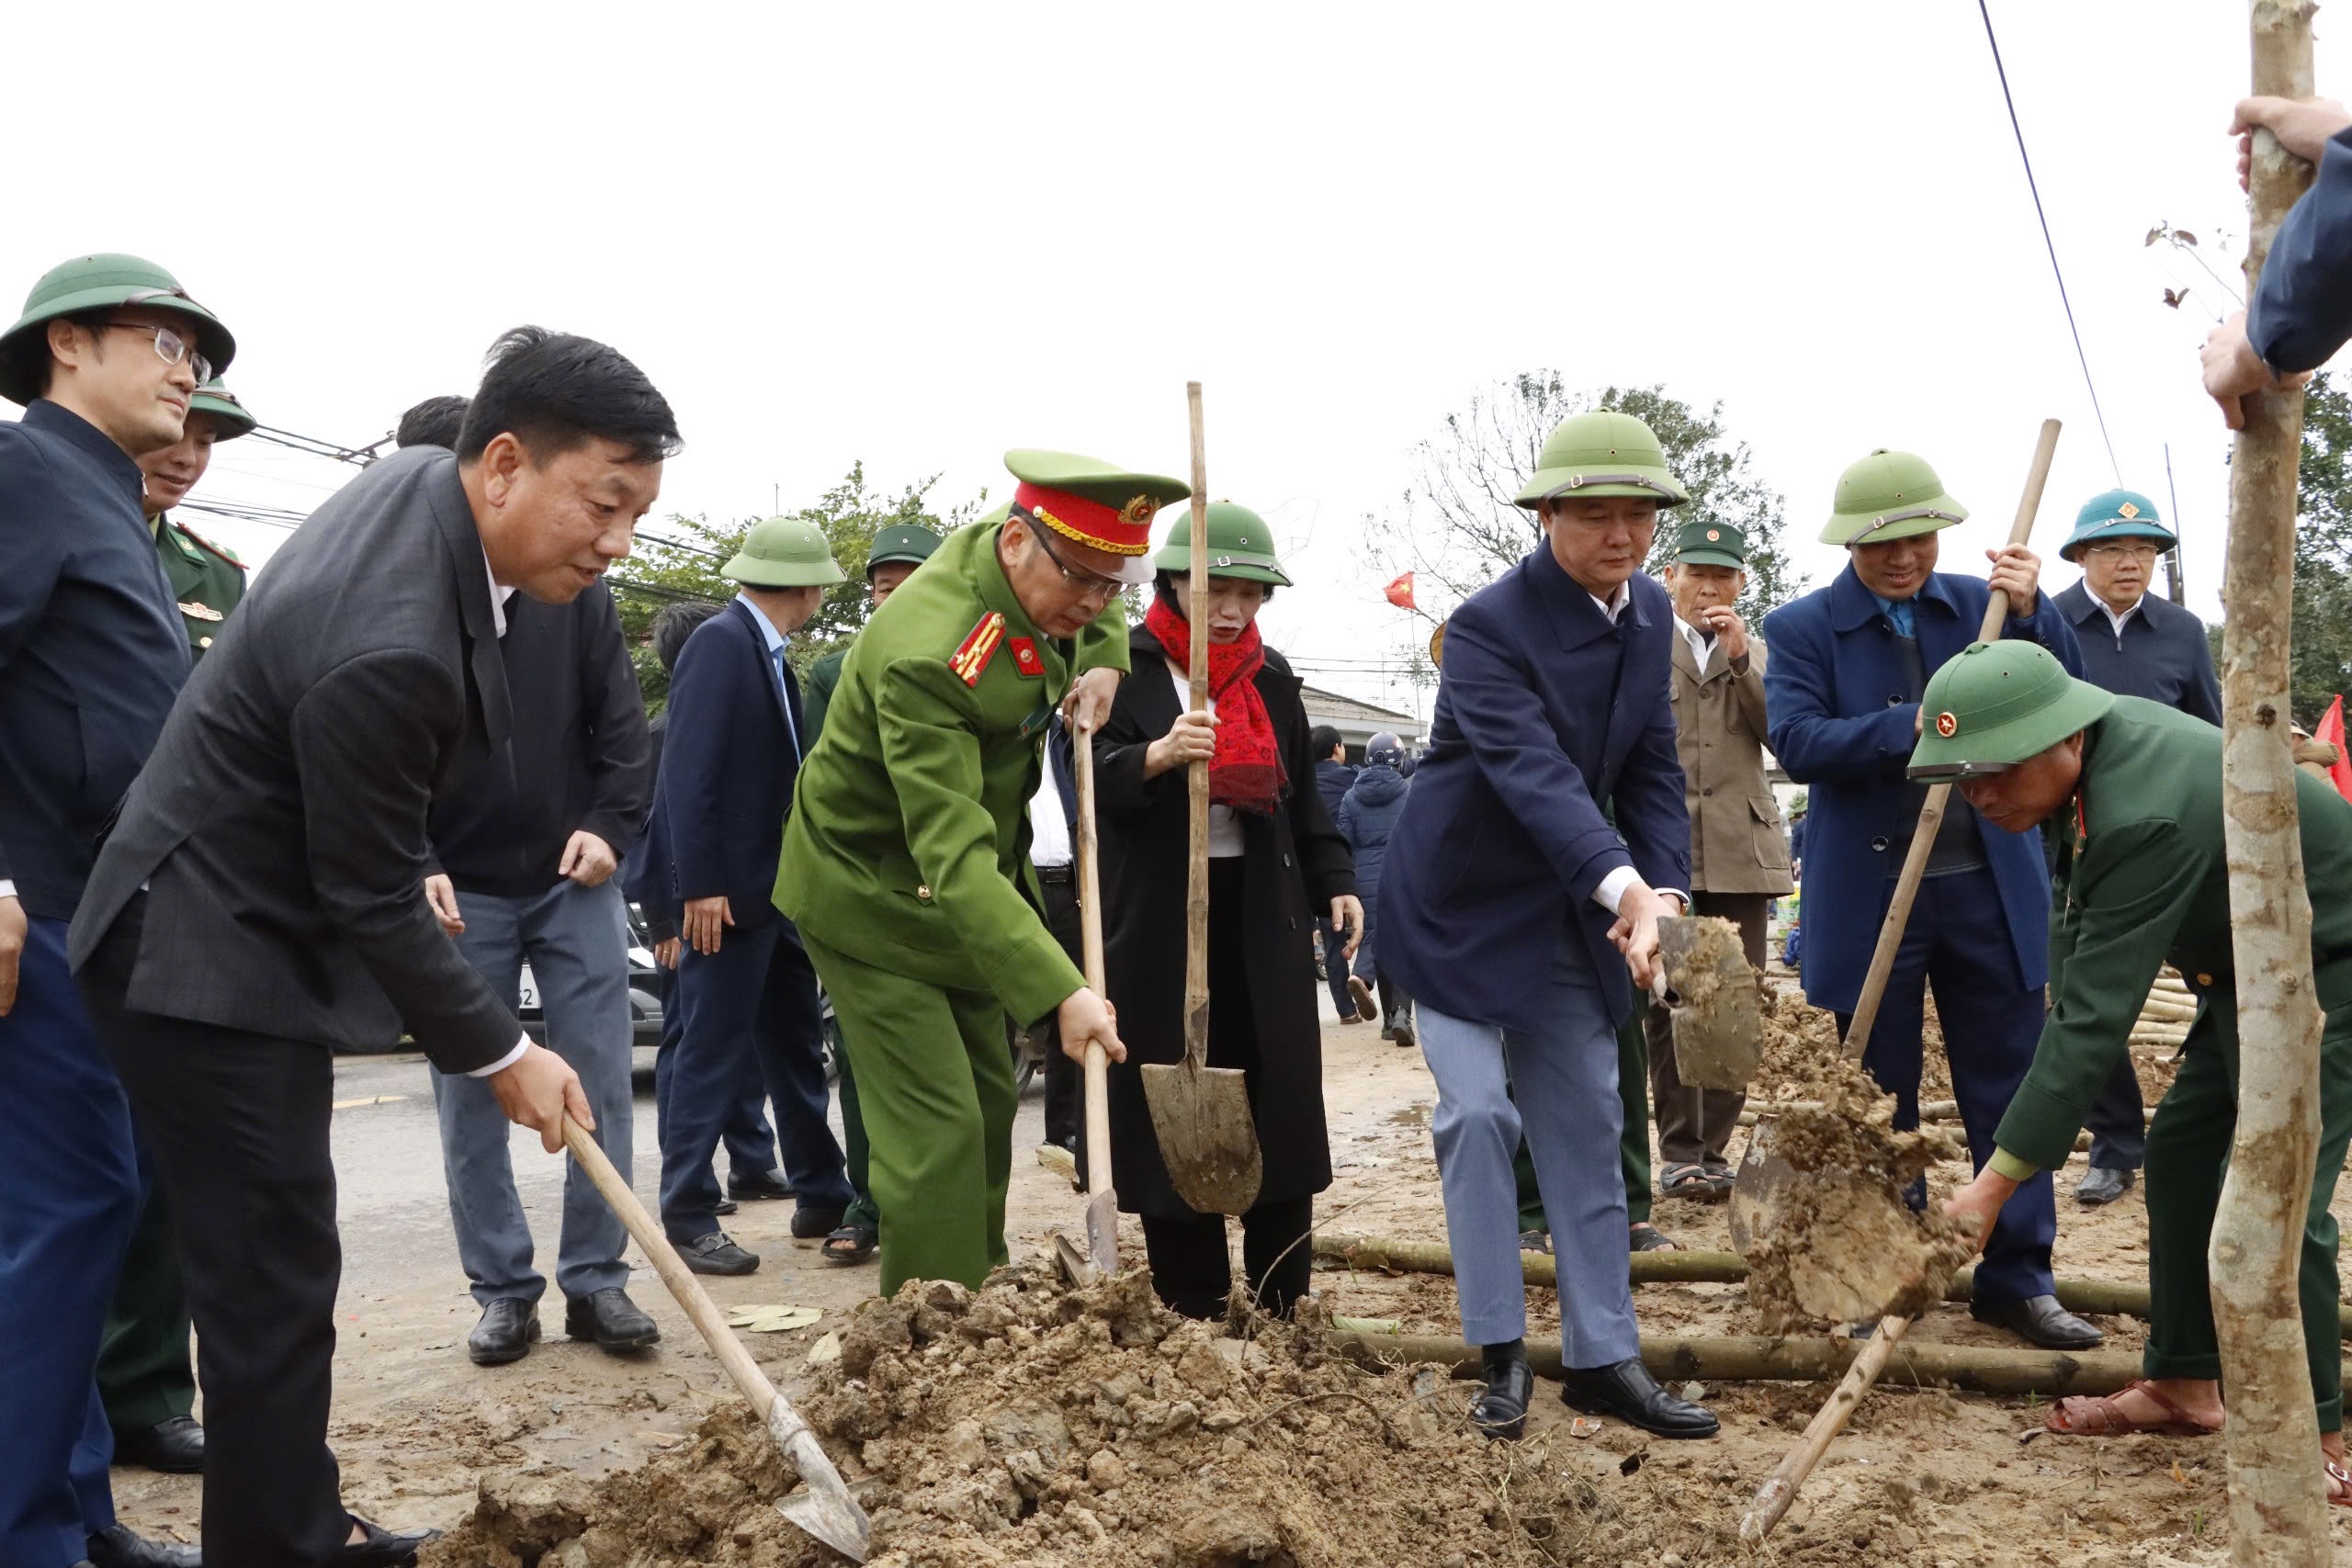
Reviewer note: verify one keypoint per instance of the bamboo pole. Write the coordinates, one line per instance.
(2279, 1512)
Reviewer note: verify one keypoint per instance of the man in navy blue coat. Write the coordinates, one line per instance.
(1520, 920)
(2301, 310)
(106, 358)
(731, 755)
(1849, 661)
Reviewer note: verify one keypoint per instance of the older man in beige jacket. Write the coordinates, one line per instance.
(1739, 855)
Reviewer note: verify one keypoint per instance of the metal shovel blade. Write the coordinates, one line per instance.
(1200, 1116)
(1103, 1232)
(825, 1510)
(1760, 1195)
(1718, 1018)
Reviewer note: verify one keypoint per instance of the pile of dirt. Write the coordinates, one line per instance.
(1846, 1248)
(1032, 1423)
(1800, 1039)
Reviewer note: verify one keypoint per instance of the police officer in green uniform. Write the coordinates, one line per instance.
(207, 579)
(143, 1371)
(906, 855)
(896, 552)
(2131, 790)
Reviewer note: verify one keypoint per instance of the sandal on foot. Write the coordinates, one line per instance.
(850, 1244)
(2090, 1415)
(1536, 1241)
(2340, 1485)
(1681, 1180)
(1646, 1238)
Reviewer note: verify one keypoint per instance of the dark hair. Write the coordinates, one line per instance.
(673, 625)
(553, 391)
(1320, 739)
(435, 421)
(1178, 590)
(28, 358)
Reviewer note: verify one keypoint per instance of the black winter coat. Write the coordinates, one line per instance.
(1296, 864)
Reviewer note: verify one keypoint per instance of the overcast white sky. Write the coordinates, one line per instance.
(917, 235)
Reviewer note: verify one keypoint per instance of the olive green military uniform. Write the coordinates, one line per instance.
(906, 866)
(207, 580)
(2142, 880)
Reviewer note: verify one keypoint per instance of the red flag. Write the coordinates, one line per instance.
(2331, 730)
(1400, 592)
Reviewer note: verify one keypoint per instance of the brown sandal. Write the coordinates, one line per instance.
(2087, 1416)
(2340, 1485)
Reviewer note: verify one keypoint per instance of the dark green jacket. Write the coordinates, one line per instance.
(2142, 880)
(206, 579)
(817, 688)
(907, 841)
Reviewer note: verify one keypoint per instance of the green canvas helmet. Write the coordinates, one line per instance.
(1889, 495)
(1240, 545)
(784, 552)
(1996, 705)
(2116, 514)
(227, 412)
(99, 283)
(909, 542)
(1602, 453)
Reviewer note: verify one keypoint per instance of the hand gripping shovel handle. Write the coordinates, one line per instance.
(1101, 1203)
(1931, 813)
(828, 1512)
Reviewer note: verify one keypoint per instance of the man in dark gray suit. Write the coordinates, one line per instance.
(257, 903)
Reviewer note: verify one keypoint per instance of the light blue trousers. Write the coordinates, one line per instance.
(576, 941)
(1563, 1077)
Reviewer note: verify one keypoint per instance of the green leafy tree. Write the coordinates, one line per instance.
(679, 561)
(1457, 528)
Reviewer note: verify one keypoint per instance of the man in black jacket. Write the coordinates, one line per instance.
(106, 360)
(1333, 778)
(258, 901)
(526, 853)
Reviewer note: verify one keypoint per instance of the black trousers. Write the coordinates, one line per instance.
(237, 1124)
(1192, 1273)
(1065, 1080)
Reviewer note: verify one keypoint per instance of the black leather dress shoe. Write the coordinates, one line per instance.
(115, 1547)
(175, 1446)
(2038, 1320)
(382, 1549)
(611, 1319)
(724, 1206)
(504, 1333)
(2103, 1185)
(1501, 1411)
(807, 1221)
(1628, 1392)
(718, 1254)
(756, 1186)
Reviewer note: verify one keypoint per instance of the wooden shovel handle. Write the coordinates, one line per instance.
(1780, 1489)
(1196, 775)
(1090, 921)
(683, 1286)
(1931, 813)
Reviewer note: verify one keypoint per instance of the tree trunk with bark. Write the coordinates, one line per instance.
(2279, 1512)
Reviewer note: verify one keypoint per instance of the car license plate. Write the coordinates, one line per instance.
(530, 990)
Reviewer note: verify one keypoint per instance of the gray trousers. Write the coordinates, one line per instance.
(1563, 1078)
(576, 941)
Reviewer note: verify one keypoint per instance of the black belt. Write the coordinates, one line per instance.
(1057, 874)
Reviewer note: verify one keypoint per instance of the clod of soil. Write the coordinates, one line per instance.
(1032, 1424)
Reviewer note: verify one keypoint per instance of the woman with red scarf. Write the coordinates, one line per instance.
(1275, 863)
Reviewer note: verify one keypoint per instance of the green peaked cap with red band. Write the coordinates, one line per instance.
(1093, 503)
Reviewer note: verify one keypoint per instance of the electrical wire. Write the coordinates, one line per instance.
(2049, 243)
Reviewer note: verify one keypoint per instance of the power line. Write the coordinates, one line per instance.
(2049, 243)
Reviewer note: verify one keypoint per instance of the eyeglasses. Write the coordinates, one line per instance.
(170, 347)
(2120, 550)
(1094, 585)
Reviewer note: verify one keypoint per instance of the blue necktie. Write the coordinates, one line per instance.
(1900, 612)
(784, 693)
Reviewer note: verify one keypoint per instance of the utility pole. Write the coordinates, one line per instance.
(2173, 574)
(2278, 1510)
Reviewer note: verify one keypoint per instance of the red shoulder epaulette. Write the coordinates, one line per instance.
(223, 551)
(973, 657)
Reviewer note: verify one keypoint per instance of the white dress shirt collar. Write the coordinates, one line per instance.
(1614, 605)
(1702, 644)
(771, 637)
(2113, 618)
(499, 594)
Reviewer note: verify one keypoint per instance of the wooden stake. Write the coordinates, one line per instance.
(1196, 775)
(2279, 1512)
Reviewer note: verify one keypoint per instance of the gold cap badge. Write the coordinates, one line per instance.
(2127, 511)
(1947, 725)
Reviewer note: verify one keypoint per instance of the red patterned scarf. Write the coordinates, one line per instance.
(1247, 772)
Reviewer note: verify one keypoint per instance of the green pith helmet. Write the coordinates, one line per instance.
(909, 542)
(1240, 545)
(99, 283)
(1889, 495)
(1996, 705)
(228, 415)
(2117, 514)
(784, 552)
(1602, 453)
(1711, 544)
